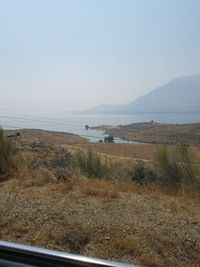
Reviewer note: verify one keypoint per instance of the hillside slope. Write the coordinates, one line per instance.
(150, 132)
(43, 204)
(179, 95)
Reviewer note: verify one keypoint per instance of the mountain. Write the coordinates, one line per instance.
(180, 94)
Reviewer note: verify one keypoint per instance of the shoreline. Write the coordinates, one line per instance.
(135, 133)
(155, 133)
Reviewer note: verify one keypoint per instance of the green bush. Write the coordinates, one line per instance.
(142, 174)
(176, 167)
(6, 152)
(168, 167)
(90, 164)
(109, 139)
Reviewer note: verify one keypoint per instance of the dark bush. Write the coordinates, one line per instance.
(90, 164)
(6, 152)
(142, 174)
(176, 167)
(109, 139)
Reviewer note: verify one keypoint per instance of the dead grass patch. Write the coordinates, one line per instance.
(127, 245)
(74, 237)
(140, 151)
(148, 260)
(23, 162)
(39, 178)
(94, 192)
(73, 182)
(96, 187)
(174, 206)
(19, 229)
(28, 176)
(87, 187)
(15, 230)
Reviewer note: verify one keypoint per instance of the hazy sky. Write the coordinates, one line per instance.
(67, 55)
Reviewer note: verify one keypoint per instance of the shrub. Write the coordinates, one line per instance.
(168, 167)
(176, 168)
(142, 174)
(109, 139)
(90, 164)
(6, 152)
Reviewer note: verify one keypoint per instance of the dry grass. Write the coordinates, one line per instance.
(159, 133)
(48, 137)
(75, 237)
(138, 151)
(95, 188)
(127, 245)
(144, 152)
(148, 260)
(26, 175)
(110, 219)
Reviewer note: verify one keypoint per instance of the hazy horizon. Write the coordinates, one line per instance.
(74, 55)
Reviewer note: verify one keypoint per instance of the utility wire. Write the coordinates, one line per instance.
(39, 120)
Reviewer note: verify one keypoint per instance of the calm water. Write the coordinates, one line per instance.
(75, 123)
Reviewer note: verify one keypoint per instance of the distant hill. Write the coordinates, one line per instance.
(180, 94)
(158, 133)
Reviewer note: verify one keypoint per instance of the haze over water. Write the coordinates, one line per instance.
(75, 122)
(75, 55)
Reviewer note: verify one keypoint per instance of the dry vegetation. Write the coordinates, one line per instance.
(47, 203)
(141, 151)
(48, 137)
(150, 132)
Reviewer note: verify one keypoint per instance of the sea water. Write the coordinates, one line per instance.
(72, 122)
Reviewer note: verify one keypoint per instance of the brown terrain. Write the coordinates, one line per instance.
(151, 132)
(48, 137)
(44, 204)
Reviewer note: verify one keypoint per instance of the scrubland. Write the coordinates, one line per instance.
(142, 208)
(151, 132)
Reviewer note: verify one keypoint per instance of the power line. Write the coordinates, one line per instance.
(43, 121)
(20, 118)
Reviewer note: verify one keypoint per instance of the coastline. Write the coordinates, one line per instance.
(155, 133)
